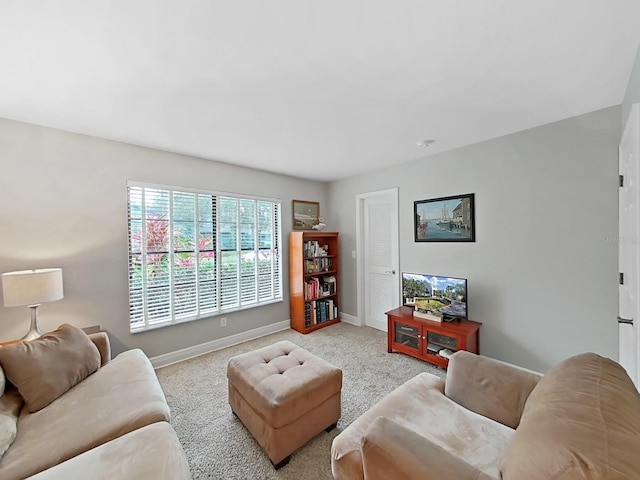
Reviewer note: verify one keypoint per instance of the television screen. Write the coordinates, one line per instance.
(435, 294)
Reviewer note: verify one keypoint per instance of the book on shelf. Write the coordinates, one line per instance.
(311, 289)
(319, 311)
(312, 248)
(318, 265)
(315, 288)
(307, 315)
(329, 285)
(331, 309)
(313, 318)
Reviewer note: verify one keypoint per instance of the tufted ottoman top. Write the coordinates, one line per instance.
(283, 381)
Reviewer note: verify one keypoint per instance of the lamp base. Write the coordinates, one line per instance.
(34, 330)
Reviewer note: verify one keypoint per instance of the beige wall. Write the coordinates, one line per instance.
(63, 204)
(542, 273)
(543, 270)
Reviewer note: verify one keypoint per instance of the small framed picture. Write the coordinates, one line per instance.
(445, 219)
(305, 214)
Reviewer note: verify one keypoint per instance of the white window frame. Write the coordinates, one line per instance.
(139, 291)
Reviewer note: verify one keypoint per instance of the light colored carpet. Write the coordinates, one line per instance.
(217, 444)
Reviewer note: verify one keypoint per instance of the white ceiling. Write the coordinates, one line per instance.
(315, 89)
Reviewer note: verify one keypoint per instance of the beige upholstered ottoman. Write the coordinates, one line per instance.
(285, 396)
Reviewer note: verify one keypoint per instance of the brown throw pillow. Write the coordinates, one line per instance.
(45, 368)
(10, 405)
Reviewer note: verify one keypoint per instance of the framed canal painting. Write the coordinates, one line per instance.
(445, 219)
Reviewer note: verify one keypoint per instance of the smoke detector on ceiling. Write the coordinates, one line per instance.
(424, 143)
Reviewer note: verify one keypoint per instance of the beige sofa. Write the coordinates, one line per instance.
(110, 423)
(490, 420)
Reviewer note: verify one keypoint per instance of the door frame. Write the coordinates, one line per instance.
(360, 199)
(629, 334)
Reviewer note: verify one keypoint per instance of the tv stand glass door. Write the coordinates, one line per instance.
(408, 336)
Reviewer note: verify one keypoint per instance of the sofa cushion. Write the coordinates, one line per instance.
(120, 397)
(10, 405)
(391, 451)
(101, 341)
(421, 406)
(489, 387)
(45, 368)
(582, 420)
(3, 380)
(151, 452)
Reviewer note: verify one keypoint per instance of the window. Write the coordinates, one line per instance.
(193, 254)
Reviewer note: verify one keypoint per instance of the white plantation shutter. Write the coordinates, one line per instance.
(194, 254)
(268, 271)
(207, 277)
(249, 253)
(230, 253)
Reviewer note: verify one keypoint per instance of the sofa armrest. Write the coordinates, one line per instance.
(489, 387)
(101, 340)
(390, 450)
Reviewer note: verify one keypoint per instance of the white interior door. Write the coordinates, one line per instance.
(380, 256)
(628, 246)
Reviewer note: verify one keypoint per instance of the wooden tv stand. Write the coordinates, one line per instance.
(423, 339)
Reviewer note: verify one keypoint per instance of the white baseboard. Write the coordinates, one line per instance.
(212, 346)
(349, 319)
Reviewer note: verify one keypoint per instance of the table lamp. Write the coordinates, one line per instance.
(32, 288)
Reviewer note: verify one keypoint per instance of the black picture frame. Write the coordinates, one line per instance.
(445, 219)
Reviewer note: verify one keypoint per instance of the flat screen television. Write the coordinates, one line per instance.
(435, 294)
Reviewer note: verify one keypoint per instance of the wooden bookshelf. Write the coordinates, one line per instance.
(313, 280)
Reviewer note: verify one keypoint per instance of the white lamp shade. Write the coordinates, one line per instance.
(32, 287)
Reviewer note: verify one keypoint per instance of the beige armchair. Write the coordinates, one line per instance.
(491, 420)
